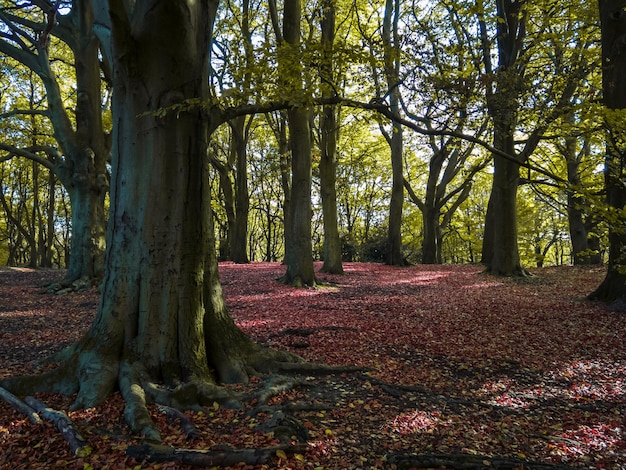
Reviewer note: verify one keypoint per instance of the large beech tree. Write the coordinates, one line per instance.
(161, 319)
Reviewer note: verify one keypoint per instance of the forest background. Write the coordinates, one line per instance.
(460, 93)
(344, 127)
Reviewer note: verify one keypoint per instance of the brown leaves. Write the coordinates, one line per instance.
(465, 364)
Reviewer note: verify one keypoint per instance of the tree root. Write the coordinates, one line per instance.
(78, 444)
(312, 368)
(221, 457)
(67, 286)
(136, 412)
(186, 424)
(469, 462)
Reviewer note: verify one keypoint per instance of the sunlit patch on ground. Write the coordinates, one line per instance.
(415, 421)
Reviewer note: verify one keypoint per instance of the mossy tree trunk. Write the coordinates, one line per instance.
(161, 318)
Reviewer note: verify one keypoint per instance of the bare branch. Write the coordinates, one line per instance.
(24, 112)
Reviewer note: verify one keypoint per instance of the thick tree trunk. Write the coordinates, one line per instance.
(161, 318)
(613, 25)
(299, 257)
(328, 147)
(431, 249)
(500, 249)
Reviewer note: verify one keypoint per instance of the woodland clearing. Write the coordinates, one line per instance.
(460, 369)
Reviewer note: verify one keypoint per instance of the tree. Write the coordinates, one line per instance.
(515, 89)
(391, 42)
(500, 249)
(299, 245)
(443, 95)
(328, 144)
(80, 161)
(161, 318)
(613, 27)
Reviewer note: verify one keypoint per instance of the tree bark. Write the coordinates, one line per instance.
(239, 236)
(162, 332)
(394, 255)
(299, 252)
(328, 147)
(613, 26)
(500, 249)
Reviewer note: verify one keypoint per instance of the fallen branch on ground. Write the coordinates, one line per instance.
(221, 457)
(20, 406)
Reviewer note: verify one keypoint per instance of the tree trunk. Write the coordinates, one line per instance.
(613, 26)
(239, 236)
(161, 317)
(299, 257)
(431, 251)
(84, 173)
(328, 147)
(394, 255)
(500, 248)
(299, 253)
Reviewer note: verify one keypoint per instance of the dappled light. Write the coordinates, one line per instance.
(457, 364)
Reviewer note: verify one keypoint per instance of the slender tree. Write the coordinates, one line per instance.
(613, 26)
(328, 144)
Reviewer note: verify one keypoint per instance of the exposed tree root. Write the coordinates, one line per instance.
(312, 368)
(221, 457)
(78, 444)
(469, 462)
(186, 424)
(67, 286)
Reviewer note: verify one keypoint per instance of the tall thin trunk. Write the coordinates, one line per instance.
(328, 146)
(394, 255)
(239, 235)
(299, 257)
(613, 25)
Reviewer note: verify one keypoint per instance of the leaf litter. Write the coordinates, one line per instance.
(459, 370)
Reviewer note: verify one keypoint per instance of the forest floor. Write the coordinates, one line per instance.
(460, 370)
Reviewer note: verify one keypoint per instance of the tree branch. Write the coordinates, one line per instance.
(31, 155)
